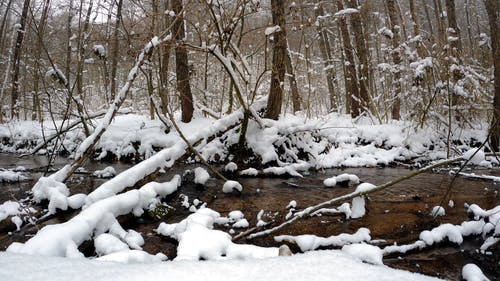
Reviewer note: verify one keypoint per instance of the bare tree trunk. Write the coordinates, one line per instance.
(326, 54)
(416, 28)
(351, 84)
(82, 42)
(114, 54)
(362, 53)
(67, 71)
(279, 53)
(492, 8)
(396, 58)
(14, 111)
(292, 80)
(37, 112)
(455, 50)
(438, 12)
(181, 63)
(429, 21)
(4, 21)
(164, 63)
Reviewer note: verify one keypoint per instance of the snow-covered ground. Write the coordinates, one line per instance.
(331, 141)
(320, 265)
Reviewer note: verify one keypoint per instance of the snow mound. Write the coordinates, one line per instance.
(201, 176)
(107, 172)
(133, 256)
(198, 240)
(471, 272)
(438, 211)
(12, 176)
(230, 185)
(364, 252)
(231, 167)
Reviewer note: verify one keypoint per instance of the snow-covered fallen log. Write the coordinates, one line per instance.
(63, 239)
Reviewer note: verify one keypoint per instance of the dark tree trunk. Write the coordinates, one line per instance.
(181, 64)
(326, 54)
(293, 81)
(396, 57)
(493, 8)
(114, 55)
(14, 110)
(351, 82)
(362, 53)
(279, 53)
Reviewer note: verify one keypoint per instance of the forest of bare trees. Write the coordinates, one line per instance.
(428, 62)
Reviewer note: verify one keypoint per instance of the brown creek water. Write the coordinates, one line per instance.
(397, 214)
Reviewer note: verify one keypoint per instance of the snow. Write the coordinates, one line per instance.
(11, 176)
(63, 239)
(230, 185)
(471, 272)
(249, 172)
(474, 155)
(347, 11)
(319, 264)
(436, 235)
(438, 211)
(272, 29)
(9, 208)
(231, 167)
(198, 240)
(107, 172)
(309, 242)
(364, 252)
(292, 204)
(201, 176)
(133, 256)
(56, 192)
(106, 244)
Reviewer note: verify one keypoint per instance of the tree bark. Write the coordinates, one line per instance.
(37, 112)
(114, 55)
(493, 8)
(292, 80)
(326, 54)
(362, 54)
(351, 81)
(396, 58)
(181, 64)
(279, 53)
(14, 111)
(2, 26)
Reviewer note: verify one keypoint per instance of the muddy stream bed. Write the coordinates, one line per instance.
(397, 214)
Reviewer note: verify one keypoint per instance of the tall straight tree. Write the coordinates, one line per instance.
(279, 53)
(14, 110)
(181, 63)
(326, 53)
(350, 79)
(362, 53)
(396, 57)
(493, 8)
(114, 55)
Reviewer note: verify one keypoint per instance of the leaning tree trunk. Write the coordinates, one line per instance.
(181, 64)
(492, 8)
(14, 111)
(351, 81)
(362, 53)
(279, 53)
(396, 58)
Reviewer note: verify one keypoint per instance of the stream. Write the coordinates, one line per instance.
(397, 214)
